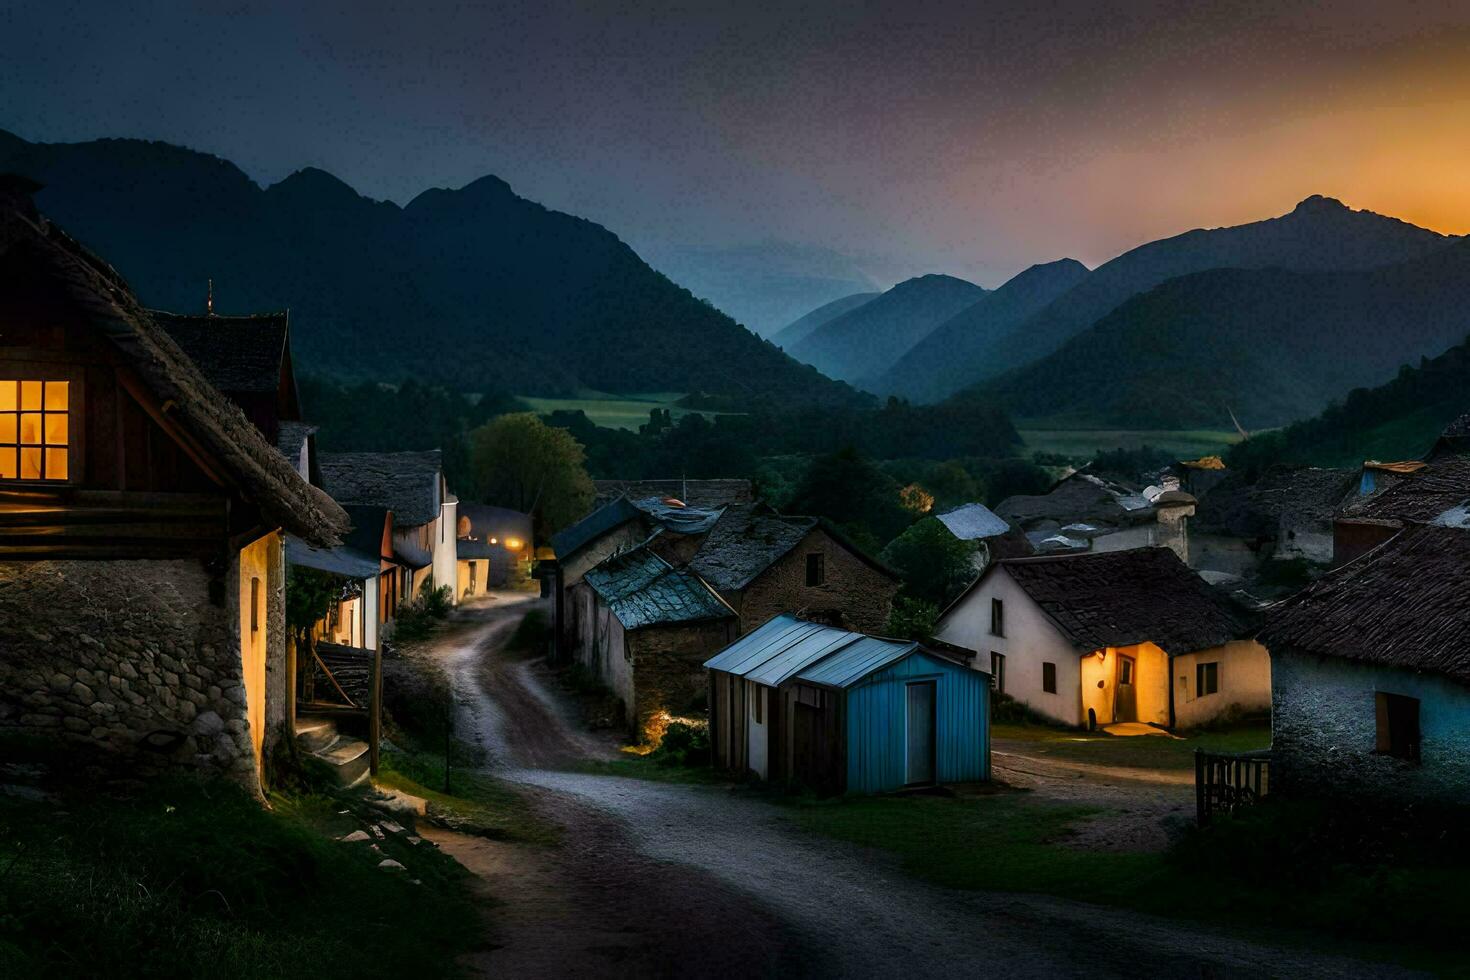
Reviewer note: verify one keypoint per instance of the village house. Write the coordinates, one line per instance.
(645, 629)
(1429, 491)
(843, 712)
(425, 519)
(1284, 514)
(987, 532)
(1371, 671)
(1090, 640)
(142, 559)
(1085, 513)
(705, 494)
(764, 563)
(494, 548)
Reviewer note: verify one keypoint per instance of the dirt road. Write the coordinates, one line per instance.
(660, 879)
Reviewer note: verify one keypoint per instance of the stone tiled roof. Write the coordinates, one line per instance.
(1404, 604)
(1120, 598)
(972, 522)
(1079, 497)
(236, 353)
(1418, 497)
(745, 541)
(406, 483)
(291, 436)
(695, 493)
(643, 590)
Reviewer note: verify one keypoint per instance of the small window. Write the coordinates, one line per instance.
(997, 672)
(1206, 679)
(254, 605)
(1049, 678)
(1125, 670)
(997, 618)
(35, 436)
(1398, 726)
(816, 569)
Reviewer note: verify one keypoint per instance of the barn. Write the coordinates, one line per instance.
(845, 712)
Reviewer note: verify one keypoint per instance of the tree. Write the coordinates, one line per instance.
(911, 619)
(520, 462)
(935, 565)
(854, 494)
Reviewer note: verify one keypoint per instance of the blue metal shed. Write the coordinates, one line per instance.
(847, 712)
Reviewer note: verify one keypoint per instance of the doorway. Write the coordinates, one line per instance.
(1125, 704)
(919, 769)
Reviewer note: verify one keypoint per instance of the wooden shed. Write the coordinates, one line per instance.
(845, 712)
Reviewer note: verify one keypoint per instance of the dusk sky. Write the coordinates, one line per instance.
(968, 138)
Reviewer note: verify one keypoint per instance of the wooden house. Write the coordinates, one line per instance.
(425, 520)
(141, 525)
(645, 630)
(1371, 674)
(844, 712)
(1127, 636)
(494, 548)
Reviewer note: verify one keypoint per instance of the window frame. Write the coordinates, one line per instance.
(1048, 677)
(1206, 670)
(816, 561)
(38, 369)
(255, 604)
(997, 672)
(1384, 726)
(997, 616)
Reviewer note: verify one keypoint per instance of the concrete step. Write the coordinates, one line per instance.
(314, 733)
(348, 758)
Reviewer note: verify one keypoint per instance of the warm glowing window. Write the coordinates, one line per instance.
(35, 435)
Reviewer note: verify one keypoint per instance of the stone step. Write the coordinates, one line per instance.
(348, 758)
(314, 733)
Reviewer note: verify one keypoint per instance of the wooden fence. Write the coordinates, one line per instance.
(1227, 783)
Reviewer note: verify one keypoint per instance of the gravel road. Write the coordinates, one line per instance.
(660, 879)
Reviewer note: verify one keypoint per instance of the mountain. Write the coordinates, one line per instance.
(1266, 345)
(1320, 234)
(799, 329)
(954, 353)
(763, 286)
(476, 288)
(867, 340)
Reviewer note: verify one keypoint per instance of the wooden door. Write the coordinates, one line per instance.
(919, 764)
(1125, 704)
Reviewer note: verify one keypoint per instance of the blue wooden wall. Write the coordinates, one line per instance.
(876, 724)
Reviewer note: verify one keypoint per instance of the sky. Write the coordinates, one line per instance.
(970, 138)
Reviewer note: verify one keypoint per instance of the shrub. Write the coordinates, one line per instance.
(684, 744)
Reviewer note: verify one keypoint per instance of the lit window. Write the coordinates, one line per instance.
(34, 430)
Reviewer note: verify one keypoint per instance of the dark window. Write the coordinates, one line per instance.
(997, 672)
(997, 618)
(254, 605)
(758, 697)
(808, 695)
(1206, 679)
(1125, 670)
(1398, 726)
(816, 569)
(1049, 678)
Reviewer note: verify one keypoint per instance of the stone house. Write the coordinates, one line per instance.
(764, 563)
(1090, 640)
(1285, 513)
(1084, 512)
(142, 549)
(425, 517)
(494, 548)
(1371, 672)
(645, 629)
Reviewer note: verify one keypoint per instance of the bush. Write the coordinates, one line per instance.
(684, 744)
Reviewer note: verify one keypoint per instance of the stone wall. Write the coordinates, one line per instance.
(137, 659)
(858, 593)
(668, 671)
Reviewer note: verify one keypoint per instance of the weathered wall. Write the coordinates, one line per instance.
(1324, 731)
(445, 548)
(858, 591)
(668, 674)
(1245, 683)
(1222, 553)
(137, 659)
(1099, 684)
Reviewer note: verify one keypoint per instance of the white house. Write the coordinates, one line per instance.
(1094, 639)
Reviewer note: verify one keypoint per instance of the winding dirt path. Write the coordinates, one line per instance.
(660, 879)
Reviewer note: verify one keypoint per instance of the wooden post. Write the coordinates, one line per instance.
(291, 680)
(375, 711)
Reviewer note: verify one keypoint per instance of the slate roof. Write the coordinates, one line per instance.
(341, 560)
(105, 303)
(291, 436)
(1079, 497)
(236, 353)
(972, 522)
(1293, 496)
(745, 541)
(366, 536)
(1404, 604)
(1119, 598)
(407, 483)
(695, 493)
(643, 590)
(614, 513)
(1418, 497)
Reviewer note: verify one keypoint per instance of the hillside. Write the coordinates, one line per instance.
(1319, 235)
(865, 341)
(1398, 420)
(1268, 345)
(474, 288)
(955, 352)
(799, 329)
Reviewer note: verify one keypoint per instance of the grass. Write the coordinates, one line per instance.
(613, 411)
(476, 802)
(1086, 443)
(1135, 751)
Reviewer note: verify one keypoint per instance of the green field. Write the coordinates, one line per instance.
(1086, 443)
(613, 411)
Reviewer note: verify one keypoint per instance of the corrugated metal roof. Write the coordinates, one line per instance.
(856, 661)
(787, 647)
(971, 522)
(760, 644)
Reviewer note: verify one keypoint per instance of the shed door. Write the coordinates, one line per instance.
(920, 764)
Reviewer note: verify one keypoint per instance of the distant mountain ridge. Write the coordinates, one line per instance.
(799, 329)
(476, 288)
(1267, 346)
(954, 353)
(867, 340)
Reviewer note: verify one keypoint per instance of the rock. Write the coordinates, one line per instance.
(236, 694)
(388, 864)
(208, 723)
(391, 827)
(378, 832)
(415, 841)
(83, 693)
(191, 681)
(76, 724)
(128, 671)
(60, 683)
(357, 836)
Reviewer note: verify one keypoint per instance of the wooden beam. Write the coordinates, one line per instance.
(160, 416)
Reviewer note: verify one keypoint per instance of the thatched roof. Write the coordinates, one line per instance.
(236, 353)
(1404, 604)
(407, 483)
(1281, 496)
(259, 473)
(1119, 598)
